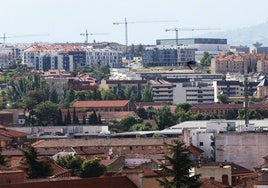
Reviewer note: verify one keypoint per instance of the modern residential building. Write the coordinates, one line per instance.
(104, 56)
(185, 54)
(160, 56)
(193, 93)
(118, 86)
(162, 91)
(233, 88)
(68, 57)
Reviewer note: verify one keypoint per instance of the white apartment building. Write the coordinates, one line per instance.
(105, 56)
(68, 57)
(193, 93)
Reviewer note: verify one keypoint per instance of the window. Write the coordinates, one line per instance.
(201, 144)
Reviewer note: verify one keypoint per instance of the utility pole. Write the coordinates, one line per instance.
(246, 106)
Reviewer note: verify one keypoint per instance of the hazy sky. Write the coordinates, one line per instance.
(64, 20)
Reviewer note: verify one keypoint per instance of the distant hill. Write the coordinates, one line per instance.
(244, 36)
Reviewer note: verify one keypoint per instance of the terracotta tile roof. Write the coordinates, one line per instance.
(57, 169)
(100, 104)
(117, 115)
(64, 143)
(65, 48)
(236, 169)
(111, 182)
(11, 133)
(5, 138)
(195, 150)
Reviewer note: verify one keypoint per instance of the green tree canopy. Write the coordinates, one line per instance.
(92, 168)
(164, 118)
(147, 94)
(46, 112)
(2, 158)
(206, 59)
(223, 98)
(179, 169)
(71, 162)
(34, 167)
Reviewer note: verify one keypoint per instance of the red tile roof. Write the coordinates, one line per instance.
(111, 182)
(100, 104)
(11, 133)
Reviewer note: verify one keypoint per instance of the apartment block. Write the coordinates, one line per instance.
(262, 66)
(193, 93)
(160, 56)
(68, 57)
(117, 86)
(236, 63)
(233, 88)
(162, 91)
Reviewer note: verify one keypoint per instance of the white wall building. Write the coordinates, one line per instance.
(105, 56)
(193, 93)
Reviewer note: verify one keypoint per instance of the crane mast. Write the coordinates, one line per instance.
(87, 33)
(125, 22)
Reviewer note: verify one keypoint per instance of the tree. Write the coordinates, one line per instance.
(206, 59)
(183, 106)
(2, 158)
(179, 169)
(68, 117)
(71, 162)
(164, 118)
(32, 166)
(93, 118)
(127, 122)
(92, 168)
(53, 97)
(142, 113)
(59, 118)
(223, 98)
(99, 119)
(147, 94)
(46, 112)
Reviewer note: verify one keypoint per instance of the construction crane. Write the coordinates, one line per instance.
(21, 36)
(125, 22)
(187, 29)
(86, 35)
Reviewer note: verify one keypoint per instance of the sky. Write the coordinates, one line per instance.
(64, 20)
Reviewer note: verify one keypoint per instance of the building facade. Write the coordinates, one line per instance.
(160, 56)
(68, 57)
(194, 93)
(162, 91)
